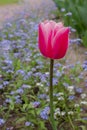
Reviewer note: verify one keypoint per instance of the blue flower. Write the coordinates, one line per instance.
(79, 90)
(17, 99)
(5, 83)
(35, 104)
(20, 91)
(2, 121)
(1, 86)
(84, 118)
(22, 72)
(71, 97)
(27, 123)
(45, 113)
(42, 96)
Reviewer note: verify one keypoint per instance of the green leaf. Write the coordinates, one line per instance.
(20, 120)
(83, 15)
(11, 105)
(85, 39)
(41, 126)
(83, 127)
(25, 106)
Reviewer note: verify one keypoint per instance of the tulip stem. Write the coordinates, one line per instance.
(51, 96)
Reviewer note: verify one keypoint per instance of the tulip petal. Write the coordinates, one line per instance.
(60, 43)
(52, 23)
(42, 39)
(48, 34)
(57, 27)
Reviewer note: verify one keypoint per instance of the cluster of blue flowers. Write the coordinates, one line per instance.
(44, 114)
(85, 65)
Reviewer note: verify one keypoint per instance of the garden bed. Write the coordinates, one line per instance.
(24, 79)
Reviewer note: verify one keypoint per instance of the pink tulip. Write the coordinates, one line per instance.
(53, 39)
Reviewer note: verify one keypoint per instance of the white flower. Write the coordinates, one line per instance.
(62, 9)
(48, 100)
(64, 67)
(60, 94)
(55, 116)
(39, 84)
(70, 113)
(76, 105)
(83, 95)
(63, 113)
(83, 102)
(68, 14)
(60, 98)
(47, 73)
(57, 111)
(46, 89)
(71, 89)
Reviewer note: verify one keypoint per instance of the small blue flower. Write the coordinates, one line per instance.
(84, 118)
(2, 121)
(5, 83)
(27, 123)
(71, 97)
(85, 62)
(20, 72)
(79, 90)
(58, 74)
(12, 92)
(8, 62)
(58, 65)
(42, 96)
(44, 113)
(8, 25)
(9, 71)
(35, 104)
(55, 81)
(8, 100)
(18, 101)
(20, 91)
(65, 84)
(1, 86)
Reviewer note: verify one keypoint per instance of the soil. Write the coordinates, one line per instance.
(8, 11)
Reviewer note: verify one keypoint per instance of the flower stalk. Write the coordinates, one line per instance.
(52, 121)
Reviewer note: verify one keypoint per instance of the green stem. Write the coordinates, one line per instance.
(71, 122)
(51, 96)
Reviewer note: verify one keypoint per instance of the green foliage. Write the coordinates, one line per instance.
(85, 39)
(78, 18)
(4, 2)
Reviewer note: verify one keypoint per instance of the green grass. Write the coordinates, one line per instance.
(4, 2)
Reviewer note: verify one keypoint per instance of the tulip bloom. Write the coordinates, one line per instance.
(53, 39)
